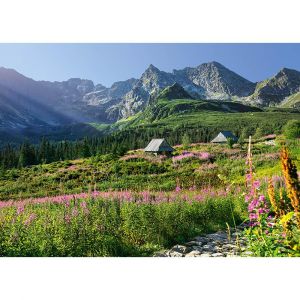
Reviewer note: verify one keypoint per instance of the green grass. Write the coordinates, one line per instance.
(292, 101)
(97, 227)
(105, 172)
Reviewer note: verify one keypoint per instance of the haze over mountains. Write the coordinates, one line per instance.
(25, 102)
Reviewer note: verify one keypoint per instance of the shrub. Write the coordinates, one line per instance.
(292, 129)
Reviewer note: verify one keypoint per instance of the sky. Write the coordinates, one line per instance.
(108, 63)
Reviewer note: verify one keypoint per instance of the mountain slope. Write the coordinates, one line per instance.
(29, 103)
(292, 101)
(207, 81)
(274, 90)
(175, 91)
(214, 81)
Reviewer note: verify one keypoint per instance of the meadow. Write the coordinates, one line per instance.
(133, 204)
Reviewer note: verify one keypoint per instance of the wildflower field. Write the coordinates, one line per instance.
(136, 204)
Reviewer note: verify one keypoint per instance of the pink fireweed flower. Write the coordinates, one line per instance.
(83, 204)
(75, 212)
(178, 189)
(252, 216)
(30, 219)
(248, 177)
(256, 184)
(20, 209)
(67, 219)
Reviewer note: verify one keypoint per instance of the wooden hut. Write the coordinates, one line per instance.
(223, 137)
(159, 146)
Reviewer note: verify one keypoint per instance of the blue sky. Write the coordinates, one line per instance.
(107, 63)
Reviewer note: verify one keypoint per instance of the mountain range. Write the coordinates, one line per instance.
(25, 102)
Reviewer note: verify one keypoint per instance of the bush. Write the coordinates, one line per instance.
(292, 129)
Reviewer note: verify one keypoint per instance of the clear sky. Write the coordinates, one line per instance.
(107, 63)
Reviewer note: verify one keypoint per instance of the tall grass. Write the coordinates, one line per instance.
(109, 227)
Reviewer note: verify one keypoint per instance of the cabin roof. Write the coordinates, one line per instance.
(223, 136)
(158, 145)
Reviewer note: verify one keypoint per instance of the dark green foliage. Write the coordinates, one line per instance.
(230, 143)
(292, 129)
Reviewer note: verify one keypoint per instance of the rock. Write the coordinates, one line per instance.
(175, 254)
(180, 249)
(161, 254)
(218, 236)
(212, 245)
(193, 253)
(218, 254)
(205, 255)
(202, 239)
(207, 248)
(194, 243)
(247, 253)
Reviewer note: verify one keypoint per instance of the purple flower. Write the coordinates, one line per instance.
(248, 177)
(20, 209)
(256, 184)
(252, 216)
(30, 219)
(178, 189)
(83, 204)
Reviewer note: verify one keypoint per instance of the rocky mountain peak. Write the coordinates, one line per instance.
(175, 91)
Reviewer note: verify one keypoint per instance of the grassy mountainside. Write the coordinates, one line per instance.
(292, 101)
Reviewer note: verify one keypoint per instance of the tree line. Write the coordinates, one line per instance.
(117, 143)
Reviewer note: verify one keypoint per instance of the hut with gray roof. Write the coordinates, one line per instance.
(159, 146)
(223, 137)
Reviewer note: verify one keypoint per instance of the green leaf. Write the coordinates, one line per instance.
(286, 218)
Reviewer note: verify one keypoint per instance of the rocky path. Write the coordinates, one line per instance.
(219, 244)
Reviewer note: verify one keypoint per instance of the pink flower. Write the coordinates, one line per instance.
(248, 177)
(178, 189)
(30, 219)
(252, 216)
(20, 209)
(256, 184)
(83, 204)
(74, 212)
(67, 219)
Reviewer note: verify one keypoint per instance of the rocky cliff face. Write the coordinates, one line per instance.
(175, 91)
(25, 100)
(214, 81)
(274, 90)
(207, 81)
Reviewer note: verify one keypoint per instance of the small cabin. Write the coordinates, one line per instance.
(223, 137)
(159, 146)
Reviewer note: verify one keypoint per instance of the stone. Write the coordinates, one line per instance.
(205, 255)
(175, 254)
(193, 253)
(247, 253)
(202, 239)
(218, 254)
(194, 243)
(218, 236)
(180, 249)
(207, 248)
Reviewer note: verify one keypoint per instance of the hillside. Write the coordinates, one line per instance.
(274, 90)
(292, 101)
